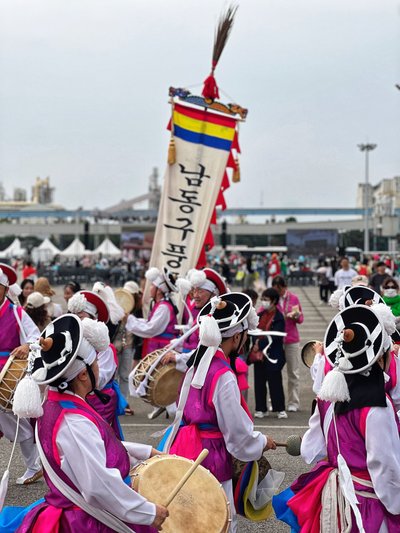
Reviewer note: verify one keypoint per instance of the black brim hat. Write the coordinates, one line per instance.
(234, 308)
(360, 295)
(56, 356)
(354, 339)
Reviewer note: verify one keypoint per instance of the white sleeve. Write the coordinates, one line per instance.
(149, 328)
(317, 372)
(383, 455)
(107, 367)
(313, 445)
(31, 331)
(181, 360)
(336, 278)
(137, 452)
(235, 425)
(83, 460)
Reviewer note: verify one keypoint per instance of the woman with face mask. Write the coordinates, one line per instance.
(391, 296)
(269, 370)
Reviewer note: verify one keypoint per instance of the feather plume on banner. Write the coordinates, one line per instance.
(224, 28)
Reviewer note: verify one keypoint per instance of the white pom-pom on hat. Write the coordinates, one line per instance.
(152, 274)
(197, 277)
(96, 333)
(184, 286)
(253, 319)
(385, 315)
(77, 303)
(335, 299)
(209, 333)
(106, 292)
(334, 387)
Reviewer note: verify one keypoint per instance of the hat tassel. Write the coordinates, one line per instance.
(27, 400)
(334, 387)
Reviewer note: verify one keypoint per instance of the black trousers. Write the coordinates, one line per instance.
(263, 376)
(324, 292)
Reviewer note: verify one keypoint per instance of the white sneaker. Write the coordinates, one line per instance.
(282, 414)
(292, 408)
(29, 477)
(260, 414)
(155, 413)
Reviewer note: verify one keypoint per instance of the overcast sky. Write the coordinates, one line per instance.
(84, 94)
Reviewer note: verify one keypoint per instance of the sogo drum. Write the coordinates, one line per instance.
(200, 506)
(163, 383)
(12, 373)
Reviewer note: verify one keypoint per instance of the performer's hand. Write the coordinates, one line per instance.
(21, 352)
(169, 357)
(161, 515)
(155, 452)
(270, 444)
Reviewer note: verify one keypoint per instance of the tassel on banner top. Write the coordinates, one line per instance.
(225, 24)
(171, 152)
(236, 171)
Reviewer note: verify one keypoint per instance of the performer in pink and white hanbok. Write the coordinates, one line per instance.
(158, 329)
(89, 306)
(353, 433)
(211, 412)
(17, 330)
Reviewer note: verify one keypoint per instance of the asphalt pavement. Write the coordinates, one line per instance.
(139, 428)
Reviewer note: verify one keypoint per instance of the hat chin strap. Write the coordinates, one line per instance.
(102, 396)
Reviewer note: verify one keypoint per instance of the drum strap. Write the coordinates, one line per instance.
(102, 516)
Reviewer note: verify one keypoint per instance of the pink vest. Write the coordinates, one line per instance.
(9, 331)
(170, 333)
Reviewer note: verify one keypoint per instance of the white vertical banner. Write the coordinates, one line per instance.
(191, 186)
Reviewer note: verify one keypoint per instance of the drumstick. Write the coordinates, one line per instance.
(178, 487)
(292, 445)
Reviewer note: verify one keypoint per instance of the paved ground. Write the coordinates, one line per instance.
(139, 428)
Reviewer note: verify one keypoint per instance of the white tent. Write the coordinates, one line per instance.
(75, 249)
(13, 250)
(46, 251)
(107, 249)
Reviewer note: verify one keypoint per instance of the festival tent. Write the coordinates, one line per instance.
(75, 249)
(13, 250)
(46, 251)
(107, 249)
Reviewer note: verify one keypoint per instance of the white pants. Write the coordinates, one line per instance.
(292, 354)
(8, 426)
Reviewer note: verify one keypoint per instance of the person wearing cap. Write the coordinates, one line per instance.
(17, 330)
(35, 307)
(88, 304)
(42, 285)
(211, 412)
(85, 464)
(353, 434)
(159, 328)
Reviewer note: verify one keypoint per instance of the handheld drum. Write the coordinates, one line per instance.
(163, 383)
(200, 505)
(12, 373)
(309, 351)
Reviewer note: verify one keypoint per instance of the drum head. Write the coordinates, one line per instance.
(308, 353)
(199, 507)
(163, 390)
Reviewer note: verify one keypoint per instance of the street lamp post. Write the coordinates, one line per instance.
(366, 148)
